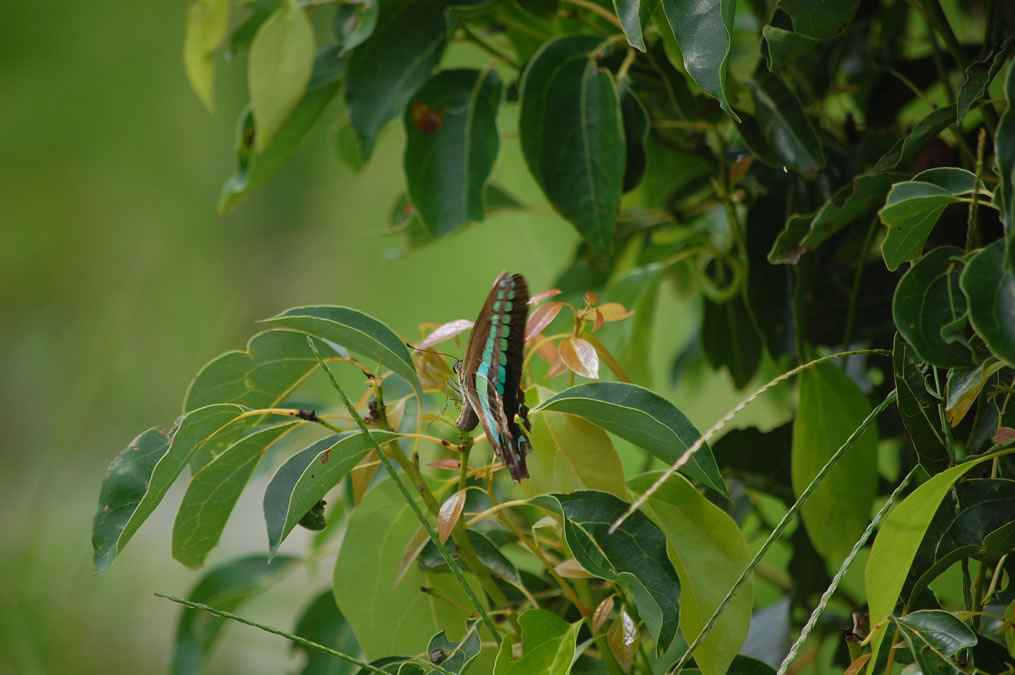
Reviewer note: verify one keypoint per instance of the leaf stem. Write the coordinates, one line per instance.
(424, 521)
(854, 296)
(596, 9)
(974, 211)
(309, 644)
(483, 44)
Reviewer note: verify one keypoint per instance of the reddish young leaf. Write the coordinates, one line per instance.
(579, 356)
(614, 311)
(623, 639)
(449, 513)
(591, 298)
(449, 463)
(602, 613)
(539, 297)
(445, 331)
(541, 318)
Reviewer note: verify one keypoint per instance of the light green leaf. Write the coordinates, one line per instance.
(572, 135)
(703, 29)
(990, 290)
(207, 21)
(548, 645)
(821, 19)
(321, 622)
(213, 492)
(308, 475)
(831, 408)
(281, 62)
(709, 553)
(358, 332)
(644, 418)
(451, 146)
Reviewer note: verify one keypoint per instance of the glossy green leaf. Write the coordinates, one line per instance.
(964, 387)
(308, 475)
(571, 454)
(430, 558)
(454, 656)
(703, 29)
(897, 542)
(213, 492)
(779, 132)
(451, 146)
(786, 47)
(989, 288)
(636, 125)
(355, 22)
(709, 553)
(365, 573)
(548, 645)
(760, 459)
(633, 15)
(644, 418)
(820, 20)
(634, 556)
(728, 339)
(207, 21)
(934, 636)
(225, 587)
(979, 75)
(913, 207)
(572, 135)
(140, 476)
(253, 169)
(927, 301)
(321, 622)
(852, 202)
(919, 410)
(831, 407)
(358, 332)
(1004, 159)
(263, 375)
(922, 133)
(281, 62)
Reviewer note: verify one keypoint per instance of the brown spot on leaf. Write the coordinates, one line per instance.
(325, 456)
(106, 507)
(427, 119)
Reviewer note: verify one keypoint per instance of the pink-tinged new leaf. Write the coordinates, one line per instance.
(445, 331)
(449, 513)
(602, 613)
(539, 297)
(580, 357)
(614, 311)
(541, 318)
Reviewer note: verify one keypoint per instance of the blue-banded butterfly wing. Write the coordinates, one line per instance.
(491, 371)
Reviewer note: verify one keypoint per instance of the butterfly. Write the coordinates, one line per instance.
(490, 373)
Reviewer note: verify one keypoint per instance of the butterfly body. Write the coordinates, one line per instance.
(490, 374)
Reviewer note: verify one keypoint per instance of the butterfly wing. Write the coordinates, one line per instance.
(490, 374)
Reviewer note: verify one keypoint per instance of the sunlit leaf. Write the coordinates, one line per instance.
(703, 29)
(449, 513)
(548, 645)
(579, 356)
(207, 21)
(623, 638)
(321, 622)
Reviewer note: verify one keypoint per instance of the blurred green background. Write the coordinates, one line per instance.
(119, 280)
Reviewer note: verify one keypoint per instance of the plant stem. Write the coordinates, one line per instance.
(854, 296)
(973, 210)
(596, 9)
(472, 37)
(424, 521)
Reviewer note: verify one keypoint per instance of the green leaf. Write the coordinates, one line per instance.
(263, 375)
(759, 459)
(634, 556)
(548, 645)
(964, 387)
(709, 553)
(452, 656)
(354, 23)
(1004, 158)
(922, 133)
(934, 635)
(451, 146)
(703, 29)
(430, 558)
(253, 169)
(281, 62)
(918, 409)
(207, 21)
(243, 35)
(913, 207)
(897, 542)
(979, 75)
(367, 566)
(140, 476)
(927, 302)
(819, 20)
(321, 622)
(779, 132)
(728, 339)
(308, 475)
(633, 15)
(831, 407)
(572, 135)
(571, 454)
(644, 418)
(357, 332)
(786, 47)
(346, 147)
(636, 125)
(990, 289)
(225, 587)
(213, 492)
(852, 202)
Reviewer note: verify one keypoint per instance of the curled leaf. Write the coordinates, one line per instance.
(448, 463)
(541, 318)
(539, 297)
(449, 514)
(602, 613)
(579, 356)
(445, 331)
(572, 569)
